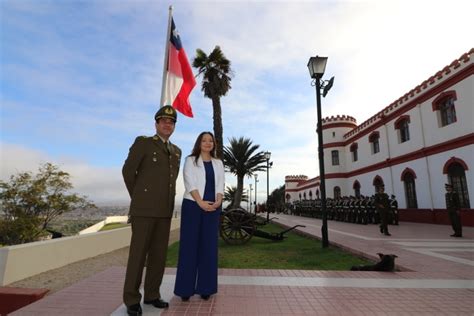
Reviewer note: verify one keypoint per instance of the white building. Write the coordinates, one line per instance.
(413, 146)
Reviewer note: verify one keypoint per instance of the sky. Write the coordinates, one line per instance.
(81, 79)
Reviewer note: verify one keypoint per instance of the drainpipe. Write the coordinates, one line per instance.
(426, 158)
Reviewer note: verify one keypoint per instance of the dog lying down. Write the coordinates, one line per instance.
(386, 263)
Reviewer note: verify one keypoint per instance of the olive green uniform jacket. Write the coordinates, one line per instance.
(150, 174)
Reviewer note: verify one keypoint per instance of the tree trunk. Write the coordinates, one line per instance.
(216, 106)
(238, 192)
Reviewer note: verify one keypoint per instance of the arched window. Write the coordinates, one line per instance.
(304, 196)
(288, 197)
(356, 188)
(310, 195)
(456, 170)
(408, 177)
(378, 182)
(300, 196)
(337, 192)
(402, 124)
(317, 194)
(444, 104)
(374, 141)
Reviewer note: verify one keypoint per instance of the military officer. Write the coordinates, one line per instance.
(453, 206)
(150, 173)
(382, 204)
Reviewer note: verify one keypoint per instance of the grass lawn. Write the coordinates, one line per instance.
(295, 252)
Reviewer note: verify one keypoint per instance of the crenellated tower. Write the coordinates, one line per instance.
(291, 184)
(335, 151)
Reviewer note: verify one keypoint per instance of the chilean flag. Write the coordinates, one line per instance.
(179, 75)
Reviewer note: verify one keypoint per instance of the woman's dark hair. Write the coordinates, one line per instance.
(197, 146)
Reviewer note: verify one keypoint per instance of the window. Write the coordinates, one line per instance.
(402, 124)
(310, 195)
(337, 192)
(304, 196)
(378, 182)
(354, 152)
(408, 178)
(375, 146)
(404, 132)
(317, 194)
(374, 140)
(335, 157)
(444, 103)
(333, 134)
(447, 112)
(356, 188)
(457, 177)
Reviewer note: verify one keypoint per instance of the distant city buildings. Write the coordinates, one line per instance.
(413, 146)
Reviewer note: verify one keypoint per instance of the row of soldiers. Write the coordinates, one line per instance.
(352, 209)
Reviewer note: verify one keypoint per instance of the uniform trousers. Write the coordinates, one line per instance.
(197, 263)
(150, 236)
(455, 221)
(383, 220)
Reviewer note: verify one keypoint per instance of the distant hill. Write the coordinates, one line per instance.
(101, 212)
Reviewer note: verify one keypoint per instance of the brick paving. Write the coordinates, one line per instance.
(436, 278)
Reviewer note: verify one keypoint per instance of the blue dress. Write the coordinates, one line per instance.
(197, 262)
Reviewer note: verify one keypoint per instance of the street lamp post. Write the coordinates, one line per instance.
(267, 157)
(255, 202)
(250, 198)
(316, 67)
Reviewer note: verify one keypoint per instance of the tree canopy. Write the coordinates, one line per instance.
(242, 159)
(30, 202)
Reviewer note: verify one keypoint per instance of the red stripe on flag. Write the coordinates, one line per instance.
(179, 66)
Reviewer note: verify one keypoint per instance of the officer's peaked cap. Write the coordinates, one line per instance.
(166, 111)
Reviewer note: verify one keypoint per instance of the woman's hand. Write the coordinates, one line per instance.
(207, 206)
(217, 204)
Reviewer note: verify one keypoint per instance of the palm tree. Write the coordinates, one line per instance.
(241, 159)
(215, 84)
(229, 195)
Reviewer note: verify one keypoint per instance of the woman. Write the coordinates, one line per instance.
(200, 212)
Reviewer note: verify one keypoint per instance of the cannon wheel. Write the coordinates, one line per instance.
(237, 226)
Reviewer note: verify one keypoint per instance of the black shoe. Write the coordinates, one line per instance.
(205, 297)
(387, 234)
(134, 310)
(381, 229)
(185, 298)
(458, 235)
(158, 303)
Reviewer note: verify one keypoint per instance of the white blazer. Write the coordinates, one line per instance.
(195, 176)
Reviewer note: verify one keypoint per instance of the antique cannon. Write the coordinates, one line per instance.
(239, 226)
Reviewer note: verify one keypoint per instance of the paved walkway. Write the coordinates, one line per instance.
(436, 278)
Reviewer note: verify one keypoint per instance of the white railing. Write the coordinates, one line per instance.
(96, 227)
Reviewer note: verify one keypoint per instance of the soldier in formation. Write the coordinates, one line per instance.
(454, 208)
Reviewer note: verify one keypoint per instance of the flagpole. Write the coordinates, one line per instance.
(165, 63)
